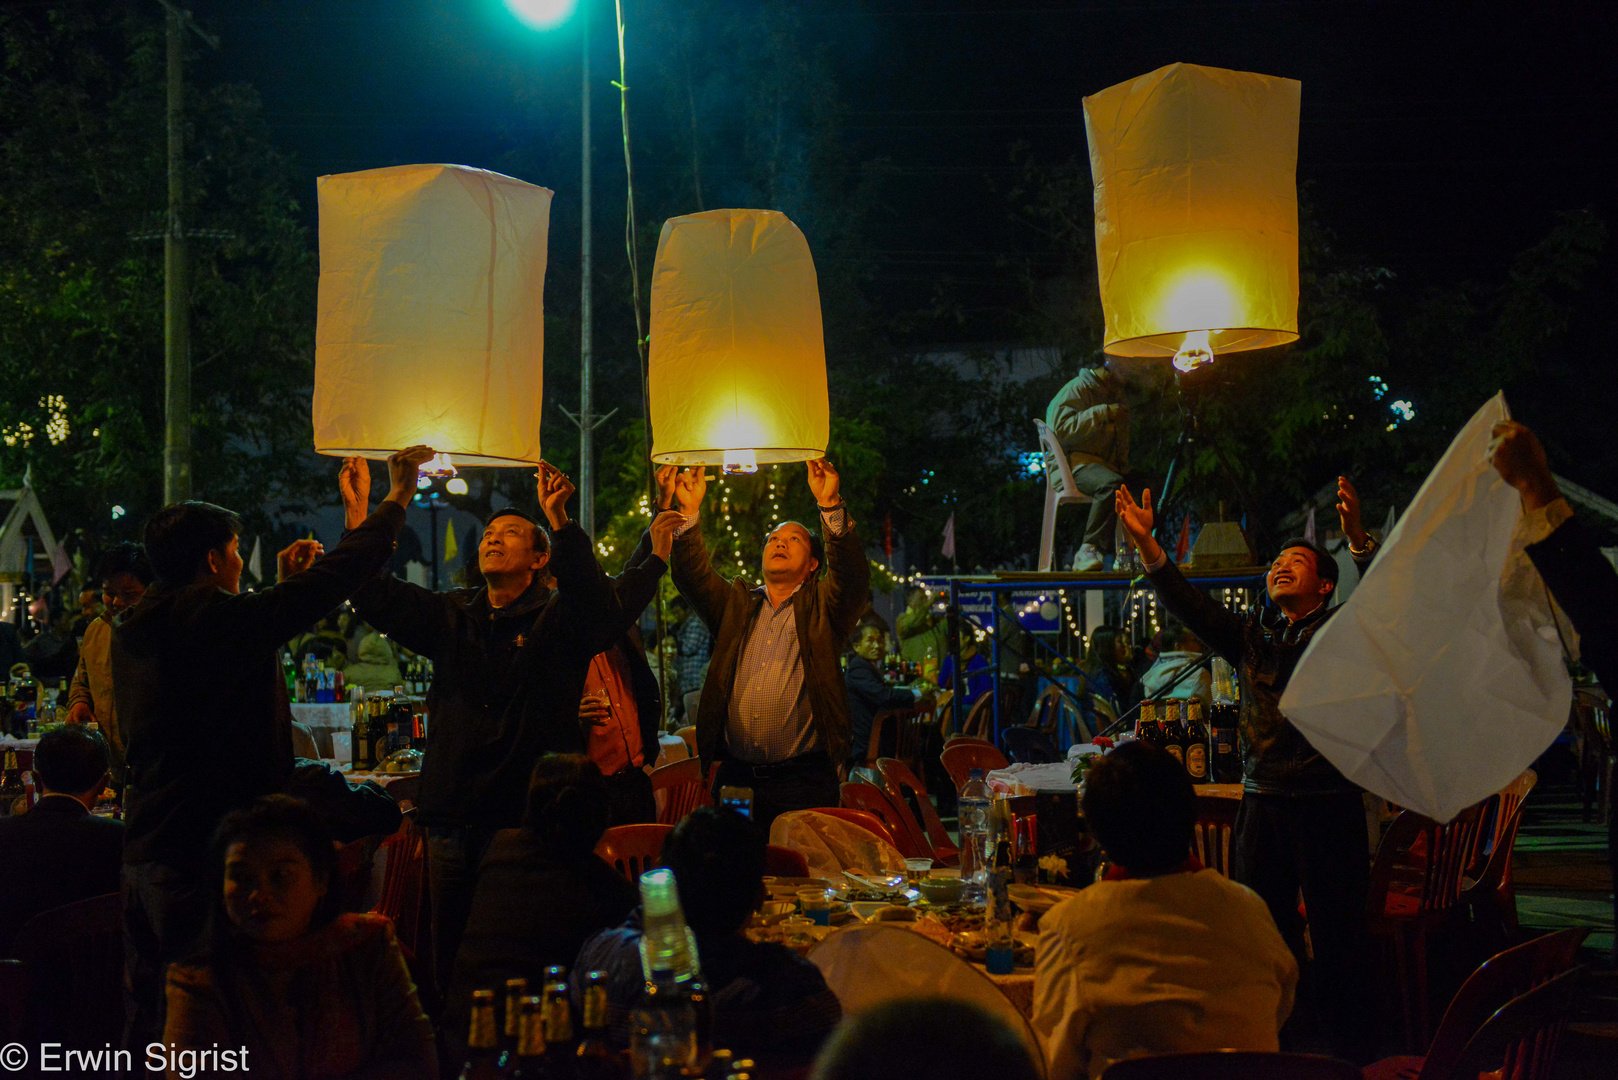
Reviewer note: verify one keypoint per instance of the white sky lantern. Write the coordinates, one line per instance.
(1196, 205)
(432, 321)
(738, 361)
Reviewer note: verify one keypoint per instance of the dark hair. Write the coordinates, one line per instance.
(933, 1037)
(718, 861)
(179, 538)
(1175, 633)
(70, 759)
(568, 807)
(1102, 652)
(1139, 802)
(542, 536)
(127, 557)
(1325, 565)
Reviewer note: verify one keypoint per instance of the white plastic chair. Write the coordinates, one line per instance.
(871, 964)
(1059, 490)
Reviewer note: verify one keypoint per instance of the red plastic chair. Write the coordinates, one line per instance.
(900, 782)
(874, 803)
(961, 755)
(679, 789)
(1415, 883)
(633, 849)
(784, 862)
(1500, 979)
(1216, 820)
(1487, 895)
(404, 887)
(864, 819)
(979, 718)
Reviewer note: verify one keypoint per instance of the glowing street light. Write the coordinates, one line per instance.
(540, 14)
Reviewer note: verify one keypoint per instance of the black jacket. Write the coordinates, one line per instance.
(1584, 583)
(55, 854)
(869, 694)
(1264, 648)
(636, 587)
(506, 681)
(196, 678)
(826, 610)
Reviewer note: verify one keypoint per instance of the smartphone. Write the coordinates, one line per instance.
(739, 799)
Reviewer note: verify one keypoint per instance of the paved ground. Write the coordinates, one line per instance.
(1561, 870)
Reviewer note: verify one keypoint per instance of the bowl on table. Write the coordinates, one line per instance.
(940, 890)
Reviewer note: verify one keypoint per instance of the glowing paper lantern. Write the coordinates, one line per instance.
(1196, 206)
(738, 362)
(432, 324)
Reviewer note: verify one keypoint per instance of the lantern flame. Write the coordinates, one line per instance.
(740, 461)
(438, 465)
(1195, 352)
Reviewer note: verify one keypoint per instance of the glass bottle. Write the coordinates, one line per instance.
(596, 1059)
(482, 1040)
(663, 1024)
(528, 1060)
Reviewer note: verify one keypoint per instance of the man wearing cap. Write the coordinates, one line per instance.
(1301, 825)
(509, 664)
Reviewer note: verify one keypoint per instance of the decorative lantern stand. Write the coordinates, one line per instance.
(431, 327)
(1196, 209)
(737, 372)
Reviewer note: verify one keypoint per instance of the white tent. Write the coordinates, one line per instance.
(25, 519)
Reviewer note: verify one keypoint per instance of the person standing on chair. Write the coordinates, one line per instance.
(1089, 418)
(1302, 823)
(773, 711)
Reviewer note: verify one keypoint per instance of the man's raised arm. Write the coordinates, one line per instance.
(1218, 626)
(691, 568)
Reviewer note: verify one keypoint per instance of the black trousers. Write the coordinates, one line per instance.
(801, 783)
(1316, 844)
(454, 853)
(1101, 484)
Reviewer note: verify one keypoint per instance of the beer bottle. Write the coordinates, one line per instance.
(561, 1061)
(511, 1019)
(1196, 743)
(596, 1060)
(11, 786)
(359, 741)
(482, 1040)
(1146, 722)
(1225, 765)
(528, 1060)
(1173, 730)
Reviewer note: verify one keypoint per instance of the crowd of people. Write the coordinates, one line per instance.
(545, 716)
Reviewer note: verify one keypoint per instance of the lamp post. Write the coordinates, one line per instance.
(540, 15)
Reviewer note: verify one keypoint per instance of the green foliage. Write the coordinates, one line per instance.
(82, 209)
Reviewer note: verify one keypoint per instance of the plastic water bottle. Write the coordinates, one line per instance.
(667, 1026)
(973, 806)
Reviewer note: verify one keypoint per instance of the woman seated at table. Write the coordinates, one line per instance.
(278, 973)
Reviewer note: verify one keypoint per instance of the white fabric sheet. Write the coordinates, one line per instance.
(1442, 677)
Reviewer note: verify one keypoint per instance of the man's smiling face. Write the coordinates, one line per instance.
(1294, 576)
(508, 547)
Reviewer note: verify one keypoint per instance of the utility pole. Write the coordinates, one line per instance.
(587, 418)
(176, 274)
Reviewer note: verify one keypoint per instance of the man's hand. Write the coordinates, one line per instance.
(662, 530)
(593, 711)
(297, 557)
(824, 482)
(1517, 456)
(667, 479)
(689, 488)
(79, 713)
(1137, 521)
(554, 491)
(402, 474)
(354, 481)
(1348, 512)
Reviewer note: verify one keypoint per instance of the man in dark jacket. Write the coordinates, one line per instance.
(773, 710)
(1302, 823)
(196, 681)
(622, 704)
(509, 660)
(1567, 554)
(58, 852)
(869, 693)
(1090, 419)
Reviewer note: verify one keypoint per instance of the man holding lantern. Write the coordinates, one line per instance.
(773, 711)
(509, 664)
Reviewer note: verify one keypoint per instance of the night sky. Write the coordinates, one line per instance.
(1434, 136)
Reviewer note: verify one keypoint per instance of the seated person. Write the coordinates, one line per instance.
(542, 890)
(1180, 647)
(284, 979)
(869, 693)
(935, 1038)
(769, 1003)
(1090, 420)
(59, 853)
(1161, 956)
(975, 675)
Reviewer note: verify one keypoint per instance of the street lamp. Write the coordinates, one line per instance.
(540, 15)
